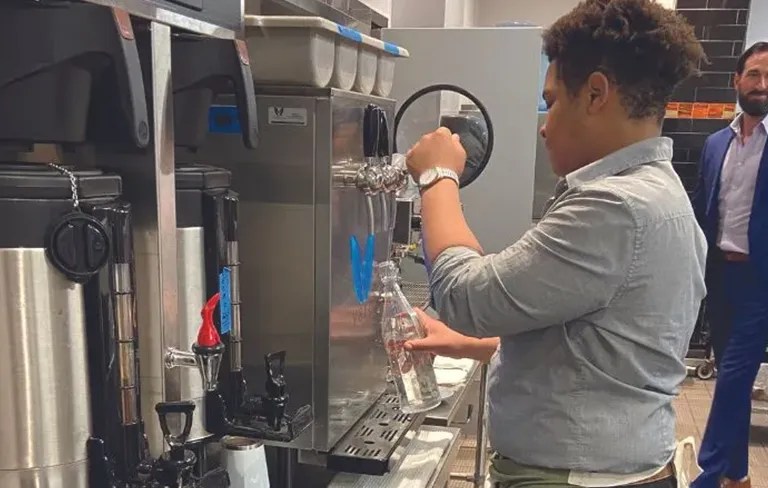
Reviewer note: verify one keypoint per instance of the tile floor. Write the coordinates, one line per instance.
(692, 409)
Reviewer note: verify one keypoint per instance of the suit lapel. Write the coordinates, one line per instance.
(716, 169)
(757, 223)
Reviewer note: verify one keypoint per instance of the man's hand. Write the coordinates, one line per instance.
(443, 341)
(437, 149)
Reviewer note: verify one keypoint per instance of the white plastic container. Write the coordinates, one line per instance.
(246, 462)
(345, 66)
(387, 54)
(299, 51)
(367, 64)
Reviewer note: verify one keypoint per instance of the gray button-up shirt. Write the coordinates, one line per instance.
(595, 307)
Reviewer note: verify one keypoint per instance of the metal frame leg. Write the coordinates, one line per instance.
(481, 454)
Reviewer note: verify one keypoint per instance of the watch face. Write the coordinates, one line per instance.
(427, 177)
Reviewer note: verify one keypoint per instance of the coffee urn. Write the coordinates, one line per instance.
(206, 216)
(69, 335)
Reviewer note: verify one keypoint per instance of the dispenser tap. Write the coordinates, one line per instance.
(258, 417)
(174, 469)
(209, 350)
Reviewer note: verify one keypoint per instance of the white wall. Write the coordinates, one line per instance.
(757, 22)
(540, 12)
(433, 13)
(384, 7)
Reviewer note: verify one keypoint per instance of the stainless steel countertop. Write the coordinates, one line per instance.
(446, 413)
(436, 477)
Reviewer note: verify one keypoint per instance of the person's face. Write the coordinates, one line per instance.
(752, 85)
(567, 126)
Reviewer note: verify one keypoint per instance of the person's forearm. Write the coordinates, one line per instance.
(482, 349)
(443, 222)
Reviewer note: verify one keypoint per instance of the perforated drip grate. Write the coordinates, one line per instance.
(369, 445)
(417, 294)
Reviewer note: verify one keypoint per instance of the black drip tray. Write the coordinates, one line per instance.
(368, 446)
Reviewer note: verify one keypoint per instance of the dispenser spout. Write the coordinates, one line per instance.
(209, 350)
(208, 336)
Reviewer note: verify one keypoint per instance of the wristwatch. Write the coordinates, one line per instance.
(433, 175)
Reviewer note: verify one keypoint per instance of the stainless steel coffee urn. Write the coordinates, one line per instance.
(65, 287)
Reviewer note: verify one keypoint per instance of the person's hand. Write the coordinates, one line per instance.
(440, 339)
(437, 149)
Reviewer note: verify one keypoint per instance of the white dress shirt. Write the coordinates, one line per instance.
(737, 186)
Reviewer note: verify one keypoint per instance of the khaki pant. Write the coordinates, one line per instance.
(505, 473)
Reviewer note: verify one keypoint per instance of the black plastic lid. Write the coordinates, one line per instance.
(39, 181)
(202, 177)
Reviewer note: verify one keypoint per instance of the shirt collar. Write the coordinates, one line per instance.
(736, 124)
(643, 152)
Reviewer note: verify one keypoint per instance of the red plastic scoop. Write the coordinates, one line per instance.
(208, 336)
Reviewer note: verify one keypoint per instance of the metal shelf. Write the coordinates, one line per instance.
(418, 466)
(445, 415)
(155, 13)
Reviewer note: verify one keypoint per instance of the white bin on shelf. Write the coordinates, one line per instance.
(385, 72)
(367, 64)
(348, 43)
(295, 50)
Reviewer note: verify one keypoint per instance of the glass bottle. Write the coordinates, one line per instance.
(411, 371)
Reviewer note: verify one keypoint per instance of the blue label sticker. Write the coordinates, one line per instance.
(225, 300)
(391, 49)
(350, 33)
(224, 119)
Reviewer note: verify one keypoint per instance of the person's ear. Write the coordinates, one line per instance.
(597, 89)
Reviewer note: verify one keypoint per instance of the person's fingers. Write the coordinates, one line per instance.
(419, 345)
(444, 131)
(456, 137)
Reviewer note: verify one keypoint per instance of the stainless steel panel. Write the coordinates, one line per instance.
(45, 401)
(65, 476)
(149, 185)
(294, 228)
(147, 10)
(191, 272)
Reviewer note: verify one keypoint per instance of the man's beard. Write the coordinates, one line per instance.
(756, 107)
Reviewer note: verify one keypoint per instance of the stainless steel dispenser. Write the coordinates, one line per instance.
(70, 76)
(314, 195)
(67, 307)
(207, 262)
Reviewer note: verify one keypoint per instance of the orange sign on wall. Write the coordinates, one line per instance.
(684, 110)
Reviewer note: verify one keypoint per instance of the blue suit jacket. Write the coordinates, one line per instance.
(707, 197)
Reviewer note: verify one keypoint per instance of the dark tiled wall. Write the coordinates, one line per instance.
(721, 25)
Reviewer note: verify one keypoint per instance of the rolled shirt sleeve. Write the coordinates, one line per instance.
(574, 262)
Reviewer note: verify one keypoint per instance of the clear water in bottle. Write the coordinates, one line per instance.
(411, 371)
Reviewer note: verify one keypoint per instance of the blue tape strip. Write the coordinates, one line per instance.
(224, 119)
(351, 34)
(392, 49)
(225, 300)
(362, 266)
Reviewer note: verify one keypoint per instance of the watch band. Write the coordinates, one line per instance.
(440, 174)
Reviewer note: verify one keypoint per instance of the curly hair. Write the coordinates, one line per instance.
(643, 48)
